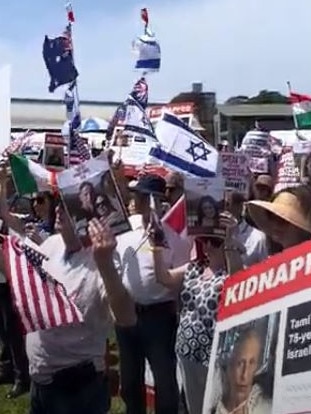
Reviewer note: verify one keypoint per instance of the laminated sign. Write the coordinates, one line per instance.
(261, 354)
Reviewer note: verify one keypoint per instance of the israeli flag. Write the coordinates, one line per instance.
(148, 53)
(180, 148)
(136, 121)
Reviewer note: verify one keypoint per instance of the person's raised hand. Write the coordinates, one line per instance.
(33, 234)
(102, 238)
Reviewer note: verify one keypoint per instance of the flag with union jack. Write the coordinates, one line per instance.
(41, 301)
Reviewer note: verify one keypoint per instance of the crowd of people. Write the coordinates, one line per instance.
(161, 301)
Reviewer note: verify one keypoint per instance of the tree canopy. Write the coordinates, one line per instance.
(263, 97)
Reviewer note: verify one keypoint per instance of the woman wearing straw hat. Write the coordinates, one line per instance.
(199, 285)
(287, 218)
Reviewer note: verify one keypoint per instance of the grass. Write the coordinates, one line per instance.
(21, 404)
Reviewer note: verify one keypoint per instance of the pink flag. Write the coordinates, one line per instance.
(40, 300)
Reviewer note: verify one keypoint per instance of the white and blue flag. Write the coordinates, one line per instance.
(180, 148)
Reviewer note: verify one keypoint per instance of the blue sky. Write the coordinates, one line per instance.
(232, 46)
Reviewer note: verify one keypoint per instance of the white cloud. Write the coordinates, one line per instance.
(233, 46)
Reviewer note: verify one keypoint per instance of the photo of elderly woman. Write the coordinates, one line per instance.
(244, 370)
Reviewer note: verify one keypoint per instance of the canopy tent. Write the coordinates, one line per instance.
(290, 137)
(95, 125)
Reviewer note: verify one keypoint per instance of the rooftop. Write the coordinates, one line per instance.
(260, 110)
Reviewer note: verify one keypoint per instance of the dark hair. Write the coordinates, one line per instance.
(203, 200)
(106, 201)
(304, 162)
(52, 200)
(91, 187)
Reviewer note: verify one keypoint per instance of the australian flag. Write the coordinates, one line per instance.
(58, 58)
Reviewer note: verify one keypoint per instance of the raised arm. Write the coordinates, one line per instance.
(11, 221)
(121, 304)
(170, 278)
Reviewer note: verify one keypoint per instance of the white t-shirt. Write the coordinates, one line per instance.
(52, 350)
(135, 263)
(255, 244)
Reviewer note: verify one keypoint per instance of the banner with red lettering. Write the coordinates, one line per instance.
(261, 355)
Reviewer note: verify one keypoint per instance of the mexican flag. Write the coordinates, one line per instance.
(30, 177)
(301, 105)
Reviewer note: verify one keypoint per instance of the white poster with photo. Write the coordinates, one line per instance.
(89, 191)
(261, 354)
(235, 171)
(204, 203)
(259, 165)
(54, 152)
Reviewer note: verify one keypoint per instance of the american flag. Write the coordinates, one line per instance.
(17, 144)
(140, 92)
(41, 302)
(79, 150)
(118, 118)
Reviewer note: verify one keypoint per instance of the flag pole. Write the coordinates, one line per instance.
(75, 90)
(294, 116)
(70, 21)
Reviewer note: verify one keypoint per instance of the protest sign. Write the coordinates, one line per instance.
(288, 174)
(261, 353)
(54, 151)
(204, 202)
(183, 110)
(89, 191)
(235, 171)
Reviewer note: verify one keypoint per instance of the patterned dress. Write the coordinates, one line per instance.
(199, 305)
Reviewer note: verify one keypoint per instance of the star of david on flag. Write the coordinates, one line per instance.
(180, 147)
(198, 151)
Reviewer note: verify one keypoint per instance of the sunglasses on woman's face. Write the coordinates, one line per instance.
(38, 200)
(214, 241)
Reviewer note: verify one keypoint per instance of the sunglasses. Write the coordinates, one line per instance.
(170, 189)
(214, 241)
(39, 200)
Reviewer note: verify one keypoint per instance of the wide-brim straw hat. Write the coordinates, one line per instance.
(285, 206)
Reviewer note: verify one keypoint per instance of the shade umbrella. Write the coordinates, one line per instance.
(92, 124)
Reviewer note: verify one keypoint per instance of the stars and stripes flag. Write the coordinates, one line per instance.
(17, 144)
(140, 92)
(41, 302)
(78, 149)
